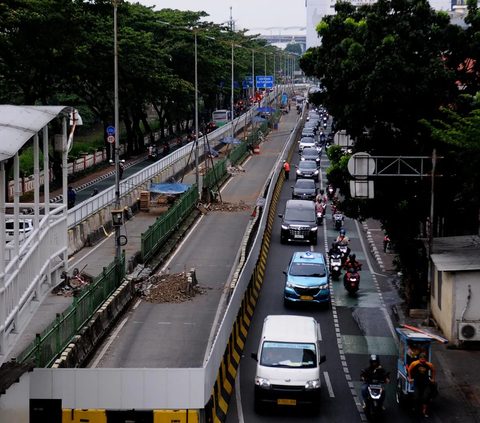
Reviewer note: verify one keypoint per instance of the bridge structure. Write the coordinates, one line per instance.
(284, 38)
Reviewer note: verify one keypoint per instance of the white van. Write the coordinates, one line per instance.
(288, 357)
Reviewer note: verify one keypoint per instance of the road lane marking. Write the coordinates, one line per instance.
(109, 342)
(136, 304)
(329, 384)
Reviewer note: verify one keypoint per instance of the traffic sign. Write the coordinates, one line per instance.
(264, 81)
(111, 139)
(111, 130)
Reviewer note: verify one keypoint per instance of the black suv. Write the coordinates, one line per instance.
(311, 154)
(307, 169)
(299, 222)
(304, 189)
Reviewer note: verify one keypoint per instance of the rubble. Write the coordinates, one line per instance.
(174, 288)
(230, 207)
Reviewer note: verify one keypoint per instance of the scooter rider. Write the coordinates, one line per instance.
(352, 262)
(373, 371)
(321, 197)
(343, 237)
(333, 250)
(71, 196)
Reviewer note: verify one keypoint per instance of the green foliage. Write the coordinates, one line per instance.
(334, 154)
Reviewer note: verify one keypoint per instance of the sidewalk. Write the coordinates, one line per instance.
(458, 383)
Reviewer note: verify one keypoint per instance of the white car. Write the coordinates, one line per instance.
(25, 227)
(306, 142)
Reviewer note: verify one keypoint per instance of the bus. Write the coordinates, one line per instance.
(221, 117)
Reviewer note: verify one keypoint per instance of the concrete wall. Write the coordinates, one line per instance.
(14, 403)
(443, 314)
(456, 287)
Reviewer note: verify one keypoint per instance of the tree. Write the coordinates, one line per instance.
(294, 48)
(383, 71)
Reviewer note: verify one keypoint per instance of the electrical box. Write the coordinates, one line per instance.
(117, 218)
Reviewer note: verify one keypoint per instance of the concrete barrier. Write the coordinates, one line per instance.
(96, 328)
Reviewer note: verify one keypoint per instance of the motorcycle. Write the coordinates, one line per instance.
(152, 153)
(351, 280)
(344, 250)
(320, 210)
(330, 192)
(336, 265)
(375, 398)
(338, 219)
(166, 149)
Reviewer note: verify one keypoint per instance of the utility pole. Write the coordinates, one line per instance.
(117, 135)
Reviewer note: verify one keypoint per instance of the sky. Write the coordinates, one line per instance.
(246, 13)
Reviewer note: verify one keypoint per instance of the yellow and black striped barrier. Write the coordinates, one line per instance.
(143, 416)
(216, 409)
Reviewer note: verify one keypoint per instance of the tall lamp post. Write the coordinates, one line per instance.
(117, 133)
(195, 31)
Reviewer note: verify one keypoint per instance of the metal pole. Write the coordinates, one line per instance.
(265, 81)
(253, 74)
(232, 96)
(197, 178)
(117, 133)
(430, 239)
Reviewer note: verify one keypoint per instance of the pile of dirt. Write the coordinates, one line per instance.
(230, 207)
(171, 289)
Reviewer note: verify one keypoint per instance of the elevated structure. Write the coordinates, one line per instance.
(31, 262)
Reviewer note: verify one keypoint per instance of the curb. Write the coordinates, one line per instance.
(373, 247)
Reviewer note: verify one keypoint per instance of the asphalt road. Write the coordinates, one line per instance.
(352, 328)
(173, 335)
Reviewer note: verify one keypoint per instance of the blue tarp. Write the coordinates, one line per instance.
(169, 188)
(229, 140)
(266, 109)
(211, 151)
(258, 119)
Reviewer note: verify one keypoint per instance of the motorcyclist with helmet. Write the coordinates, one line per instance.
(374, 371)
(333, 250)
(343, 237)
(352, 262)
(321, 197)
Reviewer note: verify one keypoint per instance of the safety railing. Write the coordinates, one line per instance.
(44, 350)
(158, 233)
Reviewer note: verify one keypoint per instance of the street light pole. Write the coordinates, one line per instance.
(232, 117)
(197, 176)
(117, 133)
(253, 74)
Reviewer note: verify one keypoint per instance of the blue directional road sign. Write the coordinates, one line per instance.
(110, 130)
(264, 81)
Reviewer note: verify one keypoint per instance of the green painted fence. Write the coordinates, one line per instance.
(56, 337)
(158, 233)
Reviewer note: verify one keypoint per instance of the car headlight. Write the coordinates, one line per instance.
(316, 172)
(285, 227)
(299, 172)
(314, 229)
(312, 384)
(323, 286)
(303, 158)
(265, 383)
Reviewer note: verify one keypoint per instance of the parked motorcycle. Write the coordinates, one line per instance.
(351, 280)
(152, 153)
(336, 265)
(375, 398)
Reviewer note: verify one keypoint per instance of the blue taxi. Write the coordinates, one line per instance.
(306, 279)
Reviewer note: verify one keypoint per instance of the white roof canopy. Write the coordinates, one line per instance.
(19, 123)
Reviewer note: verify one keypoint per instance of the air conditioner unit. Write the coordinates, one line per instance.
(468, 331)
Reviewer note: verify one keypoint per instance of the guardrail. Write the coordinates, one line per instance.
(93, 205)
(53, 340)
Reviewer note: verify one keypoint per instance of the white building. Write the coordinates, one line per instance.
(317, 9)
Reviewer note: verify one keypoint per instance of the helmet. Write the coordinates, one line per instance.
(322, 191)
(284, 161)
(374, 359)
(352, 257)
(95, 190)
(342, 232)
